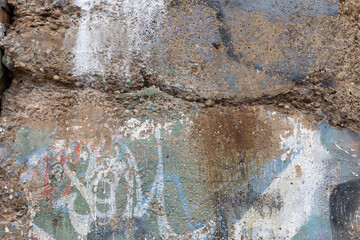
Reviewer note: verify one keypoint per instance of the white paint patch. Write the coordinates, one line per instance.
(34, 159)
(58, 144)
(297, 193)
(87, 44)
(136, 129)
(140, 15)
(111, 32)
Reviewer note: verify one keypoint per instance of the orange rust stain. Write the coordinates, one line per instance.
(233, 142)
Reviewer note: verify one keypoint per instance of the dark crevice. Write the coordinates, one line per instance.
(6, 82)
(6, 14)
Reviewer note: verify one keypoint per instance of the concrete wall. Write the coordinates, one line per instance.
(154, 119)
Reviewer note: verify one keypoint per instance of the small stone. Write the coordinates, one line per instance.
(319, 112)
(194, 69)
(78, 13)
(6, 60)
(209, 103)
(56, 77)
(201, 105)
(296, 104)
(53, 26)
(44, 13)
(117, 92)
(30, 107)
(317, 105)
(21, 65)
(41, 70)
(57, 13)
(188, 98)
(308, 99)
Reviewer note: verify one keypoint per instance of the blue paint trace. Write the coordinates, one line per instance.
(307, 8)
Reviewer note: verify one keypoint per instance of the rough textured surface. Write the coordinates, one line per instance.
(195, 119)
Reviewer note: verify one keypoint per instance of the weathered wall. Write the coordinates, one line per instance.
(160, 119)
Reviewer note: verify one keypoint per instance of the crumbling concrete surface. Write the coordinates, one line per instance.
(194, 119)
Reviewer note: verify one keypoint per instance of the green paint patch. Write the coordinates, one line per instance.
(80, 205)
(56, 223)
(30, 139)
(178, 128)
(174, 210)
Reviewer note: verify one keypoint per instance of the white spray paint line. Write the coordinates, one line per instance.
(297, 194)
(344, 150)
